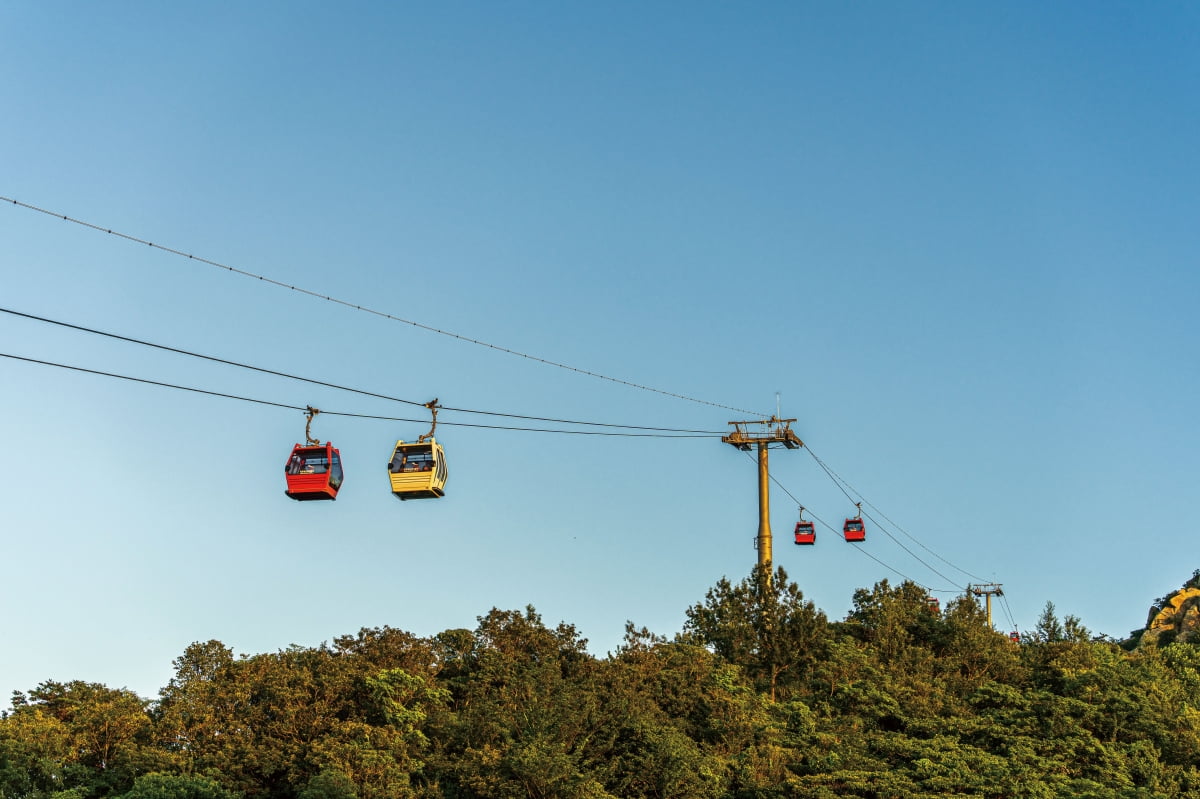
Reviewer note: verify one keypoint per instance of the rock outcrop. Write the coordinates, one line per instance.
(1175, 617)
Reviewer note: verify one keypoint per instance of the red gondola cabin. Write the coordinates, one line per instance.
(805, 533)
(854, 530)
(313, 472)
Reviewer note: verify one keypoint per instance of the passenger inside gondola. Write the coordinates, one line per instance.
(312, 463)
(418, 462)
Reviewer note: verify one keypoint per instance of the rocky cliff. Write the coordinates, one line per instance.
(1175, 617)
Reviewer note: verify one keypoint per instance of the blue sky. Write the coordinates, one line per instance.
(959, 242)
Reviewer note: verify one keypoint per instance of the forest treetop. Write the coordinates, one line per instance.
(759, 695)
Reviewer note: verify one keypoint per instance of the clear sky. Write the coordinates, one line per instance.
(959, 241)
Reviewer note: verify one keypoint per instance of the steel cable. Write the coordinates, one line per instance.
(365, 309)
(335, 385)
(337, 413)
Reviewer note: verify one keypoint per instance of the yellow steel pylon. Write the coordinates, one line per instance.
(987, 590)
(773, 431)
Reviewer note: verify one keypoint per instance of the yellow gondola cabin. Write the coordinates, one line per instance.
(417, 470)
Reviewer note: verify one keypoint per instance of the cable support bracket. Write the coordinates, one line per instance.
(779, 431)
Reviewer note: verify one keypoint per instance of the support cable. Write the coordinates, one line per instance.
(875, 521)
(326, 384)
(839, 481)
(340, 413)
(1008, 612)
(835, 531)
(364, 309)
(900, 544)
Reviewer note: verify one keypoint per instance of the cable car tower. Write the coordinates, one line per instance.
(767, 432)
(987, 590)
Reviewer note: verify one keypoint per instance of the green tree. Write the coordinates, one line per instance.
(36, 749)
(174, 786)
(197, 711)
(329, 784)
(523, 710)
(107, 733)
(969, 653)
(672, 718)
(764, 625)
(1049, 629)
(381, 750)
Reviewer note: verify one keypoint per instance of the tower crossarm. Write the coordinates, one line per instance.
(771, 431)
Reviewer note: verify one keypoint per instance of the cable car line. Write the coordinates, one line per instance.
(913, 538)
(839, 480)
(881, 527)
(245, 273)
(341, 413)
(519, 429)
(829, 474)
(313, 381)
(877, 524)
(1008, 612)
(926, 588)
(146, 381)
(364, 309)
(835, 531)
(909, 551)
(842, 484)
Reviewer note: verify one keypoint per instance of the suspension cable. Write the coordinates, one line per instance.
(835, 531)
(1008, 612)
(838, 480)
(875, 521)
(364, 309)
(914, 555)
(335, 385)
(341, 413)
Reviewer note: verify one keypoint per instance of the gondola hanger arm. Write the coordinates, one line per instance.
(310, 413)
(433, 406)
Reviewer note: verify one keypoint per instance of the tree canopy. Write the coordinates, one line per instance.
(759, 695)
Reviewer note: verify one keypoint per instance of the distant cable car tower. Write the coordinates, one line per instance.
(771, 431)
(987, 590)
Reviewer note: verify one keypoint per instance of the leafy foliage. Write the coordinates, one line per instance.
(758, 696)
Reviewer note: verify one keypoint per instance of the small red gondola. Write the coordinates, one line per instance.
(314, 472)
(853, 529)
(1015, 637)
(805, 532)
